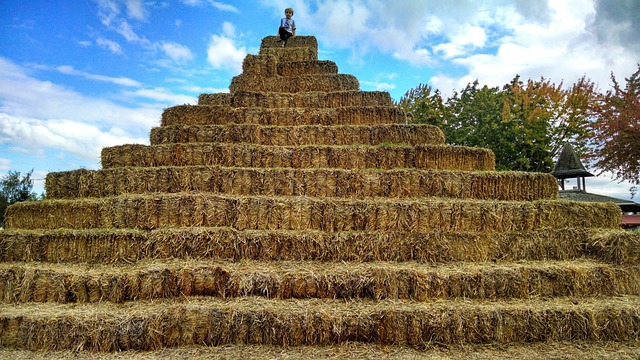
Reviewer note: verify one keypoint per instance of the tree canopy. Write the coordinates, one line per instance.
(524, 123)
(15, 188)
(616, 129)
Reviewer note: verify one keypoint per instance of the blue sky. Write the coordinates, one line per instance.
(77, 76)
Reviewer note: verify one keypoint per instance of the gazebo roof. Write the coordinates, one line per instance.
(569, 165)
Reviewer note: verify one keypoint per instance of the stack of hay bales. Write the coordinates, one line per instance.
(299, 214)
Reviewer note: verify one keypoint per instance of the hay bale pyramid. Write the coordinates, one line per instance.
(300, 214)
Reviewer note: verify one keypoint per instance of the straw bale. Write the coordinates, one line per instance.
(107, 327)
(126, 246)
(217, 115)
(283, 280)
(290, 54)
(620, 247)
(217, 99)
(316, 99)
(295, 42)
(294, 84)
(331, 214)
(292, 69)
(299, 135)
(262, 66)
(593, 350)
(310, 156)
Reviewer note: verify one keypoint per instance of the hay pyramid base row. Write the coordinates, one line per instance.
(298, 216)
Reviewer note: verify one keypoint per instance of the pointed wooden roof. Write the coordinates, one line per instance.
(569, 165)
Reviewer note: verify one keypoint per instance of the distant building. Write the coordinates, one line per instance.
(569, 166)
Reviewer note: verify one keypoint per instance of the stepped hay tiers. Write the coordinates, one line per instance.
(220, 115)
(303, 213)
(359, 183)
(310, 156)
(299, 135)
(129, 246)
(268, 66)
(316, 99)
(153, 325)
(21, 283)
(303, 83)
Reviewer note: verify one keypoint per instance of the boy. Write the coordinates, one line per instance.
(287, 27)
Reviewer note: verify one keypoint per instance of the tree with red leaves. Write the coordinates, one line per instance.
(616, 130)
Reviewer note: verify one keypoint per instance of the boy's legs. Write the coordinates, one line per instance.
(284, 35)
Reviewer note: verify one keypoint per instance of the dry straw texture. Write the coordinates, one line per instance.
(296, 42)
(219, 115)
(152, 325)
(303, 83)
(311, 156)
(359, 183)
(286, 280)
(128, 246)
(314, 99)
(266, 66)
(303, 213)
(584, 350)
(296, 211)
(299, 135)
(219, 99)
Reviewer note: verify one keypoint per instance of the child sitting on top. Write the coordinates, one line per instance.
(287, 27)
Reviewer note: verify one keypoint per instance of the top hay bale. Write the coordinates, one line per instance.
(294, 42)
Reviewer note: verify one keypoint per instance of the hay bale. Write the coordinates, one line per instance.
(296, 84)
(126, 246)
(293, 69)
(295, 42)
(330, 214)
(311, 156)
(196, 115)
(299, 135)
(277, 280)
(109, 327)
(314, 99)
(218, 99)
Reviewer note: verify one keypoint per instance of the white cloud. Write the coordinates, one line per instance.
(22, 96)
(228, 29)
(216, 4)
(5, 164)
(136, 10)
(222, 6)
(69, 70)
(81, 139)
(112, 46)
(161, 95)
(176, 52)
(223, 53)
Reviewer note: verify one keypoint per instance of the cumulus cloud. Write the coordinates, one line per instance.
(224, 53)
(176, 52)
(617, 21)
(81, 139)
(36, 115)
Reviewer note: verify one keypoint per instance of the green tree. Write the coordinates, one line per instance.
(424, 104)
(524, 124)
(616, 126)
(15, 188)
